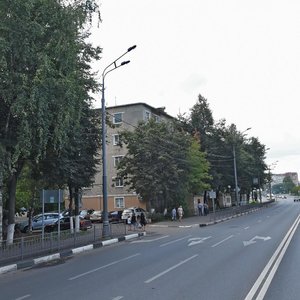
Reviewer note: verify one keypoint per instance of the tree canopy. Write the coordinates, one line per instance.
(45, 79)
(163, 164)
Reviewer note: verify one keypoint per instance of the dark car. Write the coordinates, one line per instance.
(115, 216)
(65, 224)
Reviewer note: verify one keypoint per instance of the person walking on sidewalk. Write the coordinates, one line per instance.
(200, 207)
(180, 213)
(174, 214)
(133, 221)
(143, 221)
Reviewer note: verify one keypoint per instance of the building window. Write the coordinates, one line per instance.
(116, 139)
(156, 118)
(119, 202)
(147, 115)
(117, 159)
(119, 182)
(118, 118)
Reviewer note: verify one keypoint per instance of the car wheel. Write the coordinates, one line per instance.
(26, 229)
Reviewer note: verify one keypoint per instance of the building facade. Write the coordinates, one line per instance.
(123, 117)
(278, 178)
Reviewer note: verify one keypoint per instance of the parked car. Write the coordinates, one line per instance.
(86, 213)
(115, 216)
(37, 221)
(129, 211)
(96, 216)
(65, 224)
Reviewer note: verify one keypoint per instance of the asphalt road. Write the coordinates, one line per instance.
(232, 260)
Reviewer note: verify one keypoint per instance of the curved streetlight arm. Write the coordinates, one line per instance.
(115, 67)
(115, 61)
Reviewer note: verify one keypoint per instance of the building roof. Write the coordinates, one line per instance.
(158, 110)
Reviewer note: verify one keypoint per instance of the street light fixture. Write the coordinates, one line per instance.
(235, 171)
(113, 65)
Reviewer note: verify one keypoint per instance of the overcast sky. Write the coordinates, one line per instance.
(242, 56)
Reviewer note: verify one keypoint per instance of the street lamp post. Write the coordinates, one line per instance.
(113, 65)
(235, 176)
(235, 171)
(270, 179)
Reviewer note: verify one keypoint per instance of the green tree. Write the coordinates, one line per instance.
(45, 76)
(198, 175)
(163, 164)
(75, 165)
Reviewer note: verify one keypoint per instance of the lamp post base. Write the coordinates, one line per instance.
(105, 230)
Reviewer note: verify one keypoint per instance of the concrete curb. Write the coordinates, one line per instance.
(67, 253)
(207, 223)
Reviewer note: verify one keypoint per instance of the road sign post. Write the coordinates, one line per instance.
(212, 195)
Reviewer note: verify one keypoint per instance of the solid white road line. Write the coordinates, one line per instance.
(105, 266)
(170, 269)
(217, 244)
(272, 265)
(148, 241)
(171, 242)
(118, 298)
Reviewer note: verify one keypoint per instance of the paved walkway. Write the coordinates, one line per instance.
(210, 219)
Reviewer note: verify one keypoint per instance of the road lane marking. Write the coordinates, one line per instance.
(253, 240)
(195, 241)
(105, 266)
(266, 276)
(171, 242)
(247, 227)
(23, 297)
(170, 269)
(118, 298)
(217, 244)
(148, 241)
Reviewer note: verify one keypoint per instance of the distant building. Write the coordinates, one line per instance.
(278, 178)
(123, 117)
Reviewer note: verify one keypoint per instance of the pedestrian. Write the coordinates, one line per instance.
(138, 222)
(180, 213)
(128, 221)
(206, 210)
(165, 213)
(143, 221)
(200, 207)
(133, 221)
(174, 214)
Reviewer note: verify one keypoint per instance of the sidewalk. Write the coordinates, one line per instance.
(210, 219)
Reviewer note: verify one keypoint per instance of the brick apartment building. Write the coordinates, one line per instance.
(124, 117)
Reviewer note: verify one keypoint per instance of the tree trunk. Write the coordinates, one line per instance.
(30, 215)
(12, 185)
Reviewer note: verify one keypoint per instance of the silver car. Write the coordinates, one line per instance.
(129, 211)
(37, 221)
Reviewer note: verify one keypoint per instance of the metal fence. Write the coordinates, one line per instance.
(36, 244)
